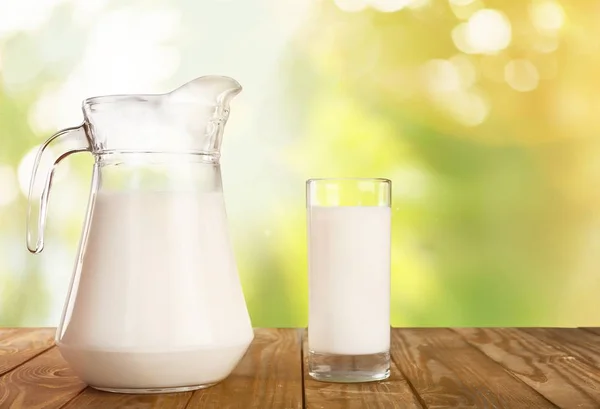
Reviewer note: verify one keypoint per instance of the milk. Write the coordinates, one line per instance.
(349, 280)
(158, 302)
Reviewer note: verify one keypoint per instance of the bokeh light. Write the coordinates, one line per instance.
(547, 15)
(521, 75)
(487, 31)
(441, 77)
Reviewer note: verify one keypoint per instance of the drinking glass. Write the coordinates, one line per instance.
(349, 238)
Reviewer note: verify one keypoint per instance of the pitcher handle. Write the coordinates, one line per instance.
(56, 148)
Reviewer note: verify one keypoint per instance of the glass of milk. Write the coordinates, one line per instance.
(349, 223)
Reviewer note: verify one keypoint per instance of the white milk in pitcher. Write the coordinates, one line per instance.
(349, 280)
(158, 301)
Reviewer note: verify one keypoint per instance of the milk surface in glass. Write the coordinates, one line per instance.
(158, 301)
(349, 276)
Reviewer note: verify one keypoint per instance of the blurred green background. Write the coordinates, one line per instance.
(483, 113)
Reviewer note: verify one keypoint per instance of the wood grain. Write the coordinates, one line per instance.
(19, 345)
(268, 377)
(93, 399)
(578, 343)
(393, 393)
(6, 332)
(593, 330)
(463, 368)
(562, 379)
(449, 373)
(43, 382)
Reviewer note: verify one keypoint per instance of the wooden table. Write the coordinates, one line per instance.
(432, 368)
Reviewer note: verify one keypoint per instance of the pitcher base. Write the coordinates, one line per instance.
(148, 391)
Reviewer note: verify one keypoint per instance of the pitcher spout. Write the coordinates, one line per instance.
(203, 105)
(210, 89)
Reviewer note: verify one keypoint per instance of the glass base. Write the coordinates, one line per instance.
(348, 368)
(146, 391)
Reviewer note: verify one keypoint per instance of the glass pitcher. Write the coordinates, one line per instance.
(155, 303)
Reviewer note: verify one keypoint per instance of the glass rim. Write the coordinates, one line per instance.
(356, 179)
(111, 99)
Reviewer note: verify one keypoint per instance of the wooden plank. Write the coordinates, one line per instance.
(6, 332)
(449, 373)
(43, 382)
(268, 377)
(18, 345)
(581, 344)
(593, 330)
(393, 393)
(91, 398)
(562, 379)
